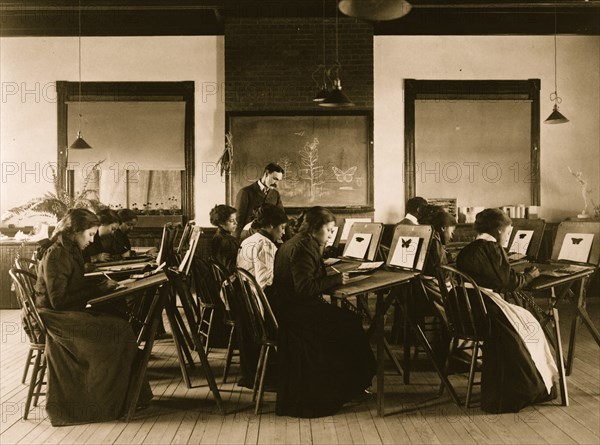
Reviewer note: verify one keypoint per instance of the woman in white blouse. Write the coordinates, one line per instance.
(257, 252)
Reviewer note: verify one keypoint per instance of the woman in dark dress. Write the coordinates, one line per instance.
(324, 356)
(443, 224)
(224, 246)
(90, 355)
(518, 366)
(101, 248)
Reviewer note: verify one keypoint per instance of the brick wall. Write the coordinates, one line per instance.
(269, 61)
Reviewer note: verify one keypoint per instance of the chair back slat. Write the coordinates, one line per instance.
(24, 282)
(253, 301)
(463, 302)
(207, 289)
(27, 264)
(226, 289)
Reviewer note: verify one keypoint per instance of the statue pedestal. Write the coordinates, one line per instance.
(584, 215)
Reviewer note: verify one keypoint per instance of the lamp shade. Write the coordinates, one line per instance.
(80, 143)
(375, 10)
(556, 117)
(336, 97)
(321, 95)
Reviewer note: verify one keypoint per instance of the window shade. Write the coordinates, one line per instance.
(129, 135)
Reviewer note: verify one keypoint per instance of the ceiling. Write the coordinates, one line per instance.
(208, 17)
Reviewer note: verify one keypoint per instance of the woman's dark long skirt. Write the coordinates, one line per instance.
(90, 359)
(324, 360)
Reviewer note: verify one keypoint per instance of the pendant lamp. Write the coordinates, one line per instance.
(336, 97)
(556, 117)
(375, 10)
(80, 143)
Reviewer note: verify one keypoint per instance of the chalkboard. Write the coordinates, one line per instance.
(327, 158)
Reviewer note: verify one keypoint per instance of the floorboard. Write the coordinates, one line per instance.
(414, 414)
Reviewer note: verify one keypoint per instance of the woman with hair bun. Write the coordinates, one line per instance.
(90, 355)
(324, 356)
(257, 252)
(518, 366)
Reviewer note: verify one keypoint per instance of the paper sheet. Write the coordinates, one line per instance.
(405, 252)
(521, 241)
(348, 224)
(576, 247)
(358, 245)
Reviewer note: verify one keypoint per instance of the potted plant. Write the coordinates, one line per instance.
(58, 202)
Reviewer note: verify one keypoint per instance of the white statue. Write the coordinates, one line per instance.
(584, 191)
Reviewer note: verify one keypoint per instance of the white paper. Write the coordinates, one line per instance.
(358, 245)
(370, 265)
(505, 243)
(331, 239)
(348, 224)
(576, 247)
(521, 241)
(405, 252)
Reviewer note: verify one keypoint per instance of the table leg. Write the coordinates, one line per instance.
(564, 394)
(582, 315)
(137, 379)
(425, 343)
(379, 312)
(210, 378)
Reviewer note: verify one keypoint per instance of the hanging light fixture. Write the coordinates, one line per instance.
(322, 91)
(336, 97)
(556, 117)
(375, 10)
(80, 143)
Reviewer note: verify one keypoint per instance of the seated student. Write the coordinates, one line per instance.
(518, 366)
(443, 224)
(324, 356)
(224, 246)
(121, 243)
(90, 355)
(414, 210)
(257, 255)
(100, 249)
(257, 252)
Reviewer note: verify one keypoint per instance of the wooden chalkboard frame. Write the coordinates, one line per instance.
(368, 207)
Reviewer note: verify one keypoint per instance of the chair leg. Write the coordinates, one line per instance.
(42, 374)
(472, 373)
(208, 331)
(229, 355)
(27, 364)
(261, 388)
(32, 384)
(258, 371)
(451, 349)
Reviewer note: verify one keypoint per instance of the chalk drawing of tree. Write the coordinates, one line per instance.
(288, 181)
(311, 172)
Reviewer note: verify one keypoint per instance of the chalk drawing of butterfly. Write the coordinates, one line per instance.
(299, 133)
(522, 235)
(344, 176)
(406, 242)
(576, 240)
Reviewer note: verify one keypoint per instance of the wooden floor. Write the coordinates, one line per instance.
(414, 414)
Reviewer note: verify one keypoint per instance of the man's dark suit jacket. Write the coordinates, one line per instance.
(248, 199)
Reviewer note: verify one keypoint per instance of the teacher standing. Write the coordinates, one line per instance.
(254, 195)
